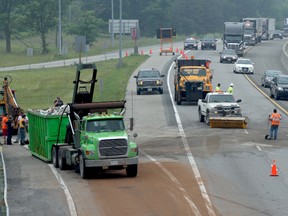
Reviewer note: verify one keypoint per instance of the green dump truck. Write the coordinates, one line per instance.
(86, 136)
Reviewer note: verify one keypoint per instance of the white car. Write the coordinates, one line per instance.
(243, 65)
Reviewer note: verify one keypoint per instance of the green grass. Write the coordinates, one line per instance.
(102, 45)
(37, 89)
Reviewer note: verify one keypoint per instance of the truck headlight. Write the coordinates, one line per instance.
(140, 82)
(89, 152)
(159, 82)
(280, 88)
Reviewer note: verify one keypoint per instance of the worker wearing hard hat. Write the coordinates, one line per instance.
(230, 89)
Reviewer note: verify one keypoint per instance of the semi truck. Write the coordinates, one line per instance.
(252, 30)
(233, 37)
(268, 28)
(87, 136)
(192, 80)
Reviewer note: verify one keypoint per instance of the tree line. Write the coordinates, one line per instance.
(20, 19)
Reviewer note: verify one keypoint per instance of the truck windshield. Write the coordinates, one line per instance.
(105, 125)
(193, 72)
(249, 31)
(221, 99)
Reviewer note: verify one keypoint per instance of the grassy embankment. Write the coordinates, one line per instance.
(38, 88)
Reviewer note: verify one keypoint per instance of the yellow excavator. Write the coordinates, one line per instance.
(8, 103)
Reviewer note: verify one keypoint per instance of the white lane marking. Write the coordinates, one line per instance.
(5, 183)
(69, 198)
(258, 147)
(246, 132)
(174, 179)
(189, 153)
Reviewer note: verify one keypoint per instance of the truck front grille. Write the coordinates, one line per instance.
(113, 147)
(149, 83)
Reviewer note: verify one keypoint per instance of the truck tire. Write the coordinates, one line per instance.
(61, 159)
(55, 157)
(207, 119)
(276, 96)
(83, 168)
(131, 170)
(201, 117)
(161, 91)
(138, 92)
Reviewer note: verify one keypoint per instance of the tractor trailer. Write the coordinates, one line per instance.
(233, 37)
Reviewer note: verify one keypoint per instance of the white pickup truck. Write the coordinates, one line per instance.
(218, 104)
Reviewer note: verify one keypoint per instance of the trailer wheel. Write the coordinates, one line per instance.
(132, 170)
(55, 157)
(62, 159)
(83, 168)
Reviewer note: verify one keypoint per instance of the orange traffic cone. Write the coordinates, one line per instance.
(150, 51)
(274, 170)
(126, 53)
(142, 53)
(176, 50)
(181, 52)
(186, 57)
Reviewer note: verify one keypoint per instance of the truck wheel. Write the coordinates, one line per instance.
(178, 102)
(138, 92)
(207, 119)
(276, 96)
(161, 91)
(55, 157)
(201, 117)
(83, 168)
(62, 159)
(132, 170)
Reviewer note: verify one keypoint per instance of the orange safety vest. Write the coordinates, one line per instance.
(275, 119)
(4, 121)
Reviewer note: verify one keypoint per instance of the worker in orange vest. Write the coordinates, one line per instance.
(5, 128)
(275, 122)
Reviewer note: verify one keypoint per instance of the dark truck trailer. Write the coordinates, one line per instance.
(252, 30)
(233, 37)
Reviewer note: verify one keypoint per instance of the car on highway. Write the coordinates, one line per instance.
(228, 55)
(149, 80)
(243, 65)
(268, 76)
(277, 34)
(208, 43)
(279, 87)
(190, 44)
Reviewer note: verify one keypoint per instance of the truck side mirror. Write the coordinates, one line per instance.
(238, 101)
(131, 128)
(135, 77)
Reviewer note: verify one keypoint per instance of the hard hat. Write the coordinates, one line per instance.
(231, 84)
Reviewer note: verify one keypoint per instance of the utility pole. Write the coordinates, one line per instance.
(120, 35)
(112, 23)
(60, 31)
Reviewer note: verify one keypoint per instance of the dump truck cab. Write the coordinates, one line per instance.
(193, 80)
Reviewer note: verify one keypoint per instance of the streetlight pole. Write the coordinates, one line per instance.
(60, 31)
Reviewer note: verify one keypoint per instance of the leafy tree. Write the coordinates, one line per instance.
(86, 24)
(7, 19)
(40, 16)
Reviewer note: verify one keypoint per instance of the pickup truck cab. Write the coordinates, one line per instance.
(218, 104)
